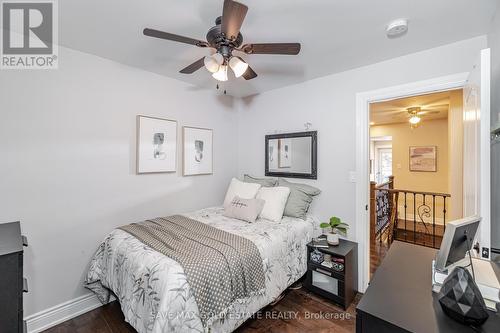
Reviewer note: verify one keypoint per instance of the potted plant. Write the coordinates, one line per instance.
(337, 227)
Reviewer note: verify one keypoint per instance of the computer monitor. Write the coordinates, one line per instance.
(457, 240)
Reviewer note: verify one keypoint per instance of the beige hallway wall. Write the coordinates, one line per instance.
(430, 133)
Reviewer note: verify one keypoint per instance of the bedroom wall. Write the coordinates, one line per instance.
(329, 104)
(68, 166)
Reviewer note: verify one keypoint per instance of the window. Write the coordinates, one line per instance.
(384, 169)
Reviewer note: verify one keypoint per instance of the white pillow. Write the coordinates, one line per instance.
(275, 198)
(241, 189)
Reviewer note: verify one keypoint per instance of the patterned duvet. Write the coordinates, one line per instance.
(152, 288)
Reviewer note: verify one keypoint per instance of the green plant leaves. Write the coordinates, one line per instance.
(335, 221)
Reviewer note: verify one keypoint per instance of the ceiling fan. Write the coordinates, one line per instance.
(225, 37)
(416, 113)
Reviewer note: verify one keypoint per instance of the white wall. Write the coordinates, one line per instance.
(67, 168)
(329, 104)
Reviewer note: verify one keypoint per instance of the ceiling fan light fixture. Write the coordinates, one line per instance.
(213, 62)
(415, 120)
(221, 74)
(238, 66)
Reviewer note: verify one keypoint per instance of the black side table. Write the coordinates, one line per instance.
(338, 283)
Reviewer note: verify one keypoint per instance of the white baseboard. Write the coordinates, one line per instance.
(50, 317)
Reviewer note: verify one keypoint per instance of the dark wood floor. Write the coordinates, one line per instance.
(312, 316)
(377, 253)
(417, 233)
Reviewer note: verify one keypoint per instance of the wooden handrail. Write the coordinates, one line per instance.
(389, 183)
(393, 190)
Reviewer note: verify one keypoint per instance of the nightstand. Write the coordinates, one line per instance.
(338, 282)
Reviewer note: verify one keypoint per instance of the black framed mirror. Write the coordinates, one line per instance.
(292, 155)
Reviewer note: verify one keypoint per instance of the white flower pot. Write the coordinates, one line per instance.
(332, 239)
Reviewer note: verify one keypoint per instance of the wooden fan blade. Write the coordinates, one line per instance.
(249, 74)
(193, 67)
(233, 15)
(175, 38)
(428, 112)
(272, 48)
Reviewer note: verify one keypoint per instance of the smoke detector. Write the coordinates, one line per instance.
(397, 28)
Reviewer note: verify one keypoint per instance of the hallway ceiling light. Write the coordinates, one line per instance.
(415, 120)
(414, 116)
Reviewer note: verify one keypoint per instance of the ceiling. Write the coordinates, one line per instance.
(336, 35)
(434, 106)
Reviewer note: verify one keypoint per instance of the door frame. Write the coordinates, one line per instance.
(363, 101)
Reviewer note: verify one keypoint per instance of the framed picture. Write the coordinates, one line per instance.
(285, 153)
(198, 151)
(156, 145)
(423, 159)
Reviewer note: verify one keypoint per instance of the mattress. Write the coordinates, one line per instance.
(154, 293)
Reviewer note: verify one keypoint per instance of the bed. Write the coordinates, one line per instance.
(153, 290)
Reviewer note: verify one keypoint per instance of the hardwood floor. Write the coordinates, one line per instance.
(414, 231)
(306, 312)
(377, 253)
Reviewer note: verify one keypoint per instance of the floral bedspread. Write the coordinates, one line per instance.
(152, 288)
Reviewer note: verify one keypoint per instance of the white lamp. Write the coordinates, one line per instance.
(221, 74)
(238, 66)
(213, 62)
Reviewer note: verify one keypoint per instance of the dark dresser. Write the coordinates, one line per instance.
(12, 282)
(400, 297)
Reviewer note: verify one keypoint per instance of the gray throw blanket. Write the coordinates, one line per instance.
(221, 268)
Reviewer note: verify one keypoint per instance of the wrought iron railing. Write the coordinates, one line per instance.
(412, 216)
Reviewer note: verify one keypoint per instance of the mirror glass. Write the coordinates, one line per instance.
(291, 155)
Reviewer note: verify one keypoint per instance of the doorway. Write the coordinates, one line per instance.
(475, 83)
(416, 144)
(363, 101)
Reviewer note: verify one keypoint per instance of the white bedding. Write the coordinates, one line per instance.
(152, 288)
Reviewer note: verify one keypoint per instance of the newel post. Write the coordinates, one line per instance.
(373, 213)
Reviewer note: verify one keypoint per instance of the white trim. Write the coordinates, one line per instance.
(50, 317)
(363, 100)
(484, 144)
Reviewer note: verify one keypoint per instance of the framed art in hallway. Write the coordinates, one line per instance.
(156, 145)
(197, 151)
(423, 159)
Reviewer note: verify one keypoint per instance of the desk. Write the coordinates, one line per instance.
(400, 299)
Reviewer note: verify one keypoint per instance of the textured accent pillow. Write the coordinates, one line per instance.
(267, 182)
(275, 198)
(241, 189)
(301, 196)
(244, 209)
